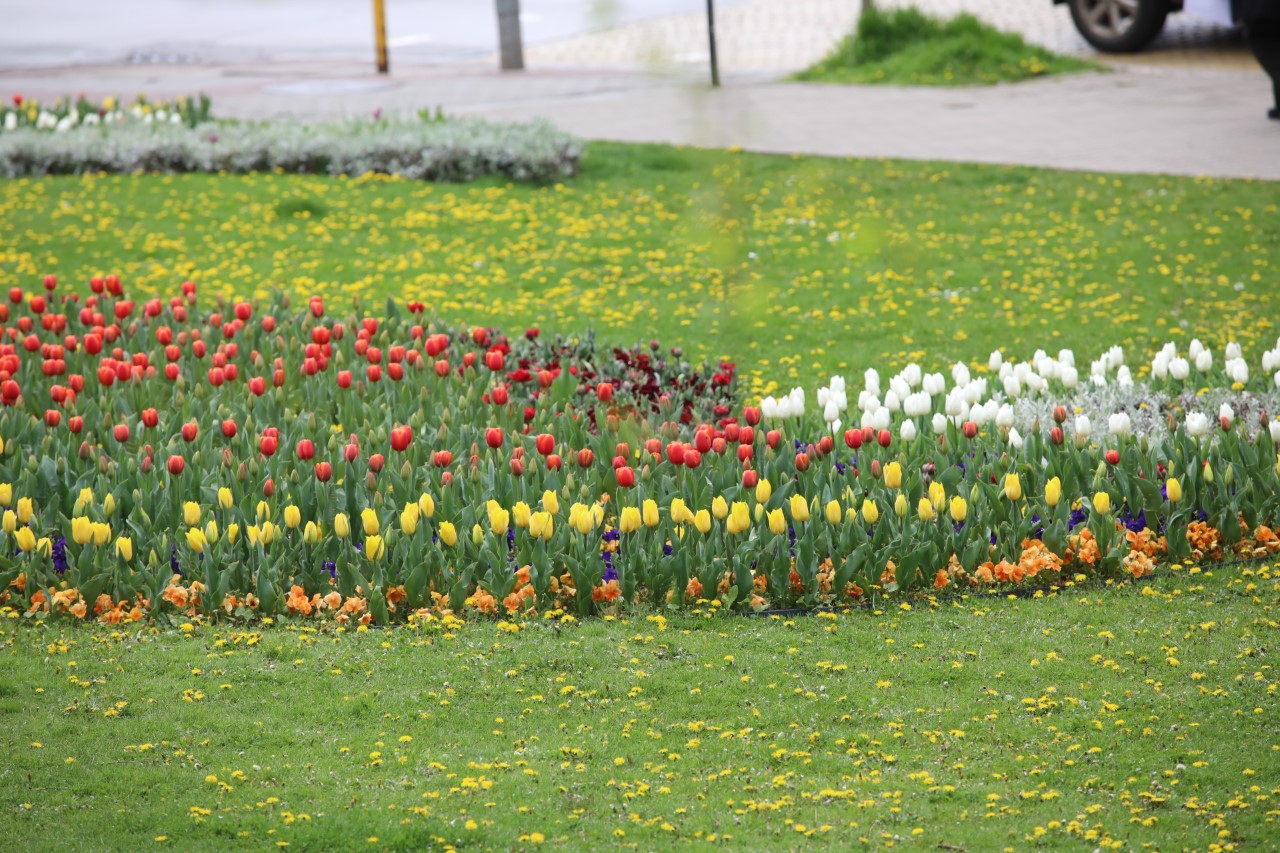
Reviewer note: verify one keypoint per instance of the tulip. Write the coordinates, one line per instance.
(834, 512)
(292, 517)
(324, 471)
(409, 518)
(195, 539)
(374, 547)
(263, 510)
(739, 518)
(191, 513)
(625, 476)
(101, 533)
(311, 533)
(6, 494)
(924, 509)
(341, 525)
(369, 520)
(124, 548)
(493, 437)
(1053, 491)
(224, 498)
(426, 505)
(520, 514)
(499, 518)
(777, 522)
(81, 530)
(702, 521)
(900, 507)
(541, 525)
(1173, 490)
(585, 521)
(233, 533)
(1012, 487)
(649, 513)
(799, 508)
(448, 533)
(269, 531)
(10, 522)
(211, 531)
(870, 512)
(26, 539)
(1208, 473)
(893, 475)
(959, 509)
(937, 495)
(719, 507)
(680, 512)
(25, 510)
(764, 490)
(629, 520)
(1102, 503)
(550, 502)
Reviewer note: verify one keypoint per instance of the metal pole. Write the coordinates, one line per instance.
(380, 35)
(711, 38)
(510, 45)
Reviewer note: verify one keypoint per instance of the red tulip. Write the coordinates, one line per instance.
(675, 453)
(15, 295)
(825, 445)
(853, 438)
(626, 476)
(351, 452)
(52, 417)
(306, 449)
(1055, 435)
(692, 458)
(376, 461)
(750, 478)
(545, 378)
(269, 488)
(751, 415)
(150, 417)
(374, 373)
(493, 360)
(745, 452)
(604, 392)
(773, 438)
(885, 438)
(189, 431)
(76, 424)
(268, 444)
(50, 282)
(344, 379)
(554, 462)
(400, 438)
(1113, 457)
(802, 462)
(442, 458)
(585, 457)
(499, 395)
(121, 432)
(229, 428)
(746, 435)
(493, 437)
(545, 443)
(323, 471)
(176, 465)
(619, 461)
(517, 467)
(702, 441)
(969, 429)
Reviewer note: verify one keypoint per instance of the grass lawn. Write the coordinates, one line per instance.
(797, 267)
(1089, 719)
(910, 48)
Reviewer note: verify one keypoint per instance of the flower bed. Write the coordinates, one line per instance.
(66, 113)
(450, 150)
(247, 460)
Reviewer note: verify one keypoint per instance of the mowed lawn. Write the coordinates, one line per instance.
(798, 268)
(1093, 718)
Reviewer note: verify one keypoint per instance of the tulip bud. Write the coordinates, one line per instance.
(342, 525)
(124, 548)
(1173, 490)
(292, 517)
(211, 531)
(427, 505)
(900, 507)
(26, 509)
(1208, 473)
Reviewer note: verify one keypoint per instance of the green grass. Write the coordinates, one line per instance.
(797, 267)
(1141, 715)
(908, 47)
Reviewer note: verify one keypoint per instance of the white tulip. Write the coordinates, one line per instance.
(1233, 350)
(908, 430)
(911, 374)
(1004, 416)
(1012, 387)
(1274, 426)
(1015, 439)
(995, 360)
(960, 373)
(1123, 379)
(871, 380)
(1195, 349)
(1197, 424)
(1119, 424)
(940, 423)
(1160, 366)
(1204, 361)
(1083, 427)
(1226, 413)
(1070, 377)
(1179, 369)
(1067, 357)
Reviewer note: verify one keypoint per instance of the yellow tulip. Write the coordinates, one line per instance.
(81, 530)
(719, 508)
(900, 507)
(834, 512)
(101, 533)
(777, 522)
(893, 475)
(1173, 490)
(292, 517)
(597, 513)
(702, 521)
(937, 495)
(1012, 487)
(409, 519)
(224, 498)
(739, 518)
(1208, 474)
(268, 532)
(924, 509)
(499, 518)
(195, 538)
(342, 525)
(550, 502)
(26, 539)
(649, 513)
(311, 533)
(10, 521)
(448, 533)
(85, 499)
(211, 531)
(233, 533)
(477, 534)
(369, 520)
(124, 548)
(1102, 503)
(1053, 491)
(629, 520)
(520, 514)
(541, 525)
(426, 505)
(6, 494)
(109, 504)
(870, 512)
(763, 491)
(586, 522)
(680, 512)
(263, 511)
(959, 509)
(25, 510)
(44, 546)
(799, 508)
(374, 547)
(191, 513)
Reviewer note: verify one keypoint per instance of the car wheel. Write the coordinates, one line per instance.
(1119, 26)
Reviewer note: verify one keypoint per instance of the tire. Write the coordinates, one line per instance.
(1119, 26)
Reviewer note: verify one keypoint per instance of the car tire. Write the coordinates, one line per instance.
(1119, 26)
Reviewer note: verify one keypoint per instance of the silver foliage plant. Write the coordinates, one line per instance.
(453, 150)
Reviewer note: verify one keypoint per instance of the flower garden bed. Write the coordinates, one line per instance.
(239, 461)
